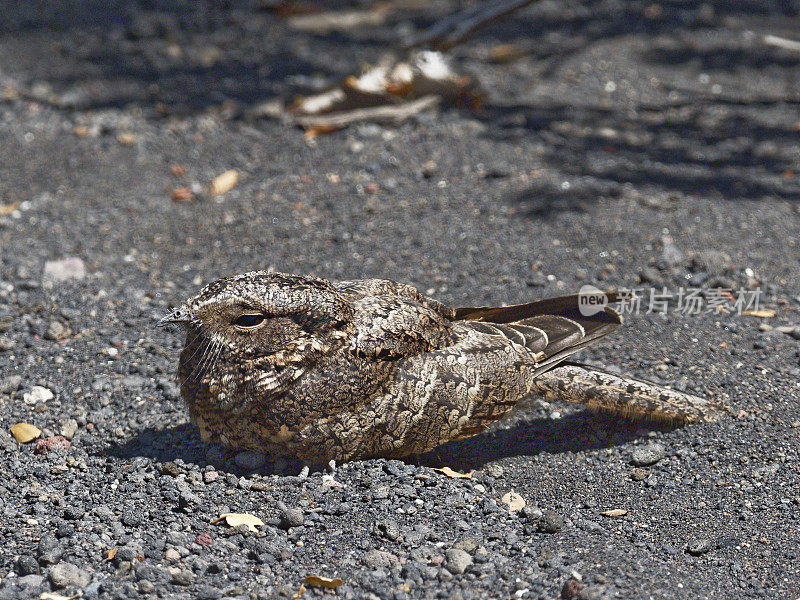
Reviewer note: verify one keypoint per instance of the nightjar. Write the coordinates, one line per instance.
(296, 366)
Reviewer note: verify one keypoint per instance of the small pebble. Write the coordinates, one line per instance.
(550, 522)
(291, 517)
(57, 271)
(27, 565)
(457, 561)
(36, 395)
(66, 574)
(644, 456)
(69, 428)
(378, 558)
(10, 384)
(572, 587)
(699, 546)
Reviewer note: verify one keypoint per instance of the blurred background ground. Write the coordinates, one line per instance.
(623, 144)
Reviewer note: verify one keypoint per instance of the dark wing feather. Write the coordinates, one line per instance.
(551, 329)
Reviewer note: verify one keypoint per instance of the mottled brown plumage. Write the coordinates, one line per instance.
(295, 366)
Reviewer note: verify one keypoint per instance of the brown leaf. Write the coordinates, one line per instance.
(455, 474)
(299, 593)
(614, 512)
(236, 519)
(177, 170)
(326, 582)
(25, 432)
(224, 183)
(110, 554)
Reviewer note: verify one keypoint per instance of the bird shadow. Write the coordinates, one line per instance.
(576, 432)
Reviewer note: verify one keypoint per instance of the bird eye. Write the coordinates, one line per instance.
(249, 320)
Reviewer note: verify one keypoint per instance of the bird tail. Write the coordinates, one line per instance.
(627, 397)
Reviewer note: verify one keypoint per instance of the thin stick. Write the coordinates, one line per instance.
(396, 113)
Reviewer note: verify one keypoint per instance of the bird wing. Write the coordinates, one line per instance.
(550, 329)
(393, 327)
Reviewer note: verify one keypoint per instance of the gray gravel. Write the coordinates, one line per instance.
(634, 144)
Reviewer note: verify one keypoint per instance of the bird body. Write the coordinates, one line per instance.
(296, 366)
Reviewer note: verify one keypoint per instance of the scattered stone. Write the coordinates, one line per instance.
(27, 565)
(182, 576)
(457, 560)
(65, 574)
(74, 512)
(172, 555)
(379, 559)
(670, 253)
(592, 592)
(65, 269)
(644, 456)
(650, 275)
(6, 343)
(69, 428)
(10, 384)
(468, 545)
(387, 528)
(36, 395)
(550, 522)
(49, 550)
(715, 262)
(699, 546)
(572, 587)
(291, 517)
(639, 474)
(55, 442)
(494, 470)
(57, 331)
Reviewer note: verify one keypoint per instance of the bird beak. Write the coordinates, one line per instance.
(179, 315)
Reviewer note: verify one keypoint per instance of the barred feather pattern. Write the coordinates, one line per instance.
(296, 366)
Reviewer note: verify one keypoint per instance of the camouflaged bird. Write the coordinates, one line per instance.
(296, 366)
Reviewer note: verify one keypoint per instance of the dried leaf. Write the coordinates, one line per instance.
(455, 474)
(763, 313)
(25, 432)
(110, 554)
(514, 501)
(224, 183)
(326, 582)
(7, 209)
(299, 593)
(614, 512)
(177, 170)
(236, 519)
